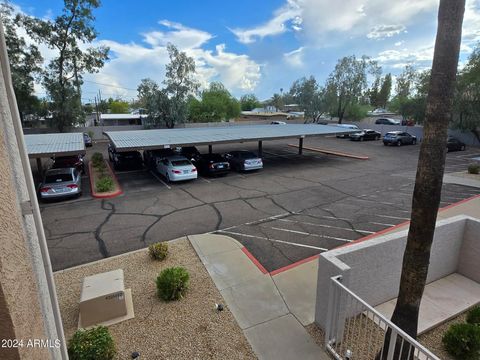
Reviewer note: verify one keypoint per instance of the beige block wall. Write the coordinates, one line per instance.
(20, 313)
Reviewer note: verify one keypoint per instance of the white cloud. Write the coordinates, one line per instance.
(399, 43)
(380, 32)
(133, 61)
(402, 57)
(295, 58)
(289, 14)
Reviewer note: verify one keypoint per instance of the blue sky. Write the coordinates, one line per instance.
(258, 46)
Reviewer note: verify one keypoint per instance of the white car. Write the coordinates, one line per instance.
(276, 122)
(176, 168)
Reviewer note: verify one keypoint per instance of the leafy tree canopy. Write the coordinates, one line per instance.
(215, 104)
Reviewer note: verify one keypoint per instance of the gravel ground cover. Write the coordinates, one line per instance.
(190, 328)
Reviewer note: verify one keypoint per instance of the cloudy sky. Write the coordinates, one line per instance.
(258, 46)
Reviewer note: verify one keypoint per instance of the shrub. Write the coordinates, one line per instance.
(158, 251)
(462, 341)
(473, 168)
(91, 133)
(473, 316)
(104, 184)
(93, 344)
(97, 159)
(172, 283)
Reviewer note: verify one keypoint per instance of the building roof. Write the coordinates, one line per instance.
(164, 138)
(47, 145)
(121, 116)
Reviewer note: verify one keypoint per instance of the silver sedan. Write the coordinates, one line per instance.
(60, 183)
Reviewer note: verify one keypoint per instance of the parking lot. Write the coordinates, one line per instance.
(296, 207)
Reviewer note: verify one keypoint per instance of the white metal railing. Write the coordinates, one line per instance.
(356, 331)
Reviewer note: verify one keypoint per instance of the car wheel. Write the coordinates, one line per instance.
(414, 142)
(462, 148)
(399, 143)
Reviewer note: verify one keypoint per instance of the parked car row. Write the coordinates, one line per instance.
(185, 163)
(397, 138)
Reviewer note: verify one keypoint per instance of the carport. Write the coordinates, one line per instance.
(168, 138)
(50, 145)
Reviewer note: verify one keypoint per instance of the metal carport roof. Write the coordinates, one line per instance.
(47, 145)
(154, 139)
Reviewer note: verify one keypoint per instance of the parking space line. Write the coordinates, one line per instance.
(274, 240)
(333, 217)
(309, 234)
(327, 226)
(382, 224)
(158, 178)
(393, 217)
(202, 178)
(255, 222)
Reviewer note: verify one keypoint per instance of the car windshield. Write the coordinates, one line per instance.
(58, 178)
(390, 134)
(180, 162)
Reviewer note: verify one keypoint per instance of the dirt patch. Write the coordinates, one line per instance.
(187, 329)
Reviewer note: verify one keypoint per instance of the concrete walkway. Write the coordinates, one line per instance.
(269, 310)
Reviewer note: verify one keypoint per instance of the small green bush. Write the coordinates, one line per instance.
(93, 344)
(97, 159)
(104, 184)
(462, 341)
(91, 133)
(172, 283)
(473, 168)
(473, 316)
(158, 251)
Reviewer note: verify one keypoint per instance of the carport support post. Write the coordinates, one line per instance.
(260, 148)
(300, 146)
(39, 166)
(210, 149)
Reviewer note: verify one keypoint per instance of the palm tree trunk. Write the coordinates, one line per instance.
(431, 163)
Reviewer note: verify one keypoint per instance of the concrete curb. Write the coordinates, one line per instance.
(109, 195)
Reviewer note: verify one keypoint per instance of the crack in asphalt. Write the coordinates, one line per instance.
(102, 248)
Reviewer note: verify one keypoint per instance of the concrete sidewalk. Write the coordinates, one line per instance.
(269, 311)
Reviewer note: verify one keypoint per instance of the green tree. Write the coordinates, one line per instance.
(67, 34)
(306, 93)
(430, 169)
(277, 100)
(348, 83)
(118, 106)
(466, 114)
(215, 104)
(385, 90)
(249, 102)
(25, 63)
(168, 106)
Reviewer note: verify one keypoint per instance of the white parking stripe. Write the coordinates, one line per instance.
(382, 224)
(163, 182)
(309, 234)
(273, 217)
(202, 178)
(273, 240)
(393, 217)
(327, 226)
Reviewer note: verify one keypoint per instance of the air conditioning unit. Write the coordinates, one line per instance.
(104, 300)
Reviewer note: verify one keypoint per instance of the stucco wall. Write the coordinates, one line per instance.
(21, 310)
(374, 266)
(469, 265)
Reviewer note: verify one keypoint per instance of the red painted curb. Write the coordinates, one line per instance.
(378, 233)
(104, 196)
(254, 260)
(292, 265)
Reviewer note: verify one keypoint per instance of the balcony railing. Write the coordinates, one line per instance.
(356, 331)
